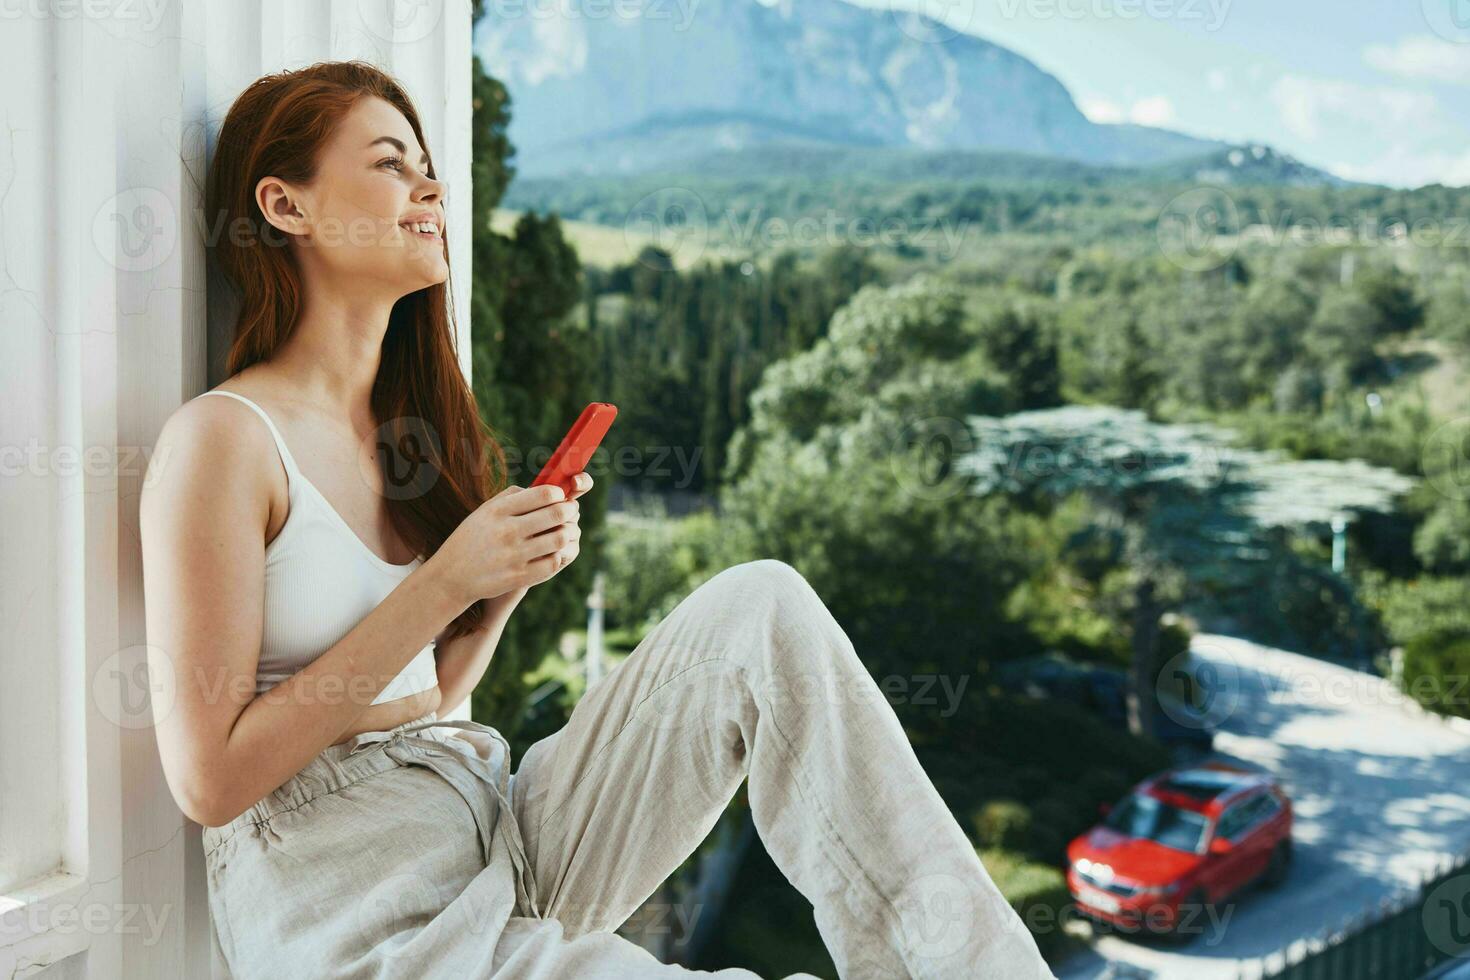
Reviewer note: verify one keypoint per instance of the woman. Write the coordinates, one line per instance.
(320, 606)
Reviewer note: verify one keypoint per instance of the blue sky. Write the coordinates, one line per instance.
(1375, 90)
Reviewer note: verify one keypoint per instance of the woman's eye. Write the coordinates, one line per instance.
(395, 162)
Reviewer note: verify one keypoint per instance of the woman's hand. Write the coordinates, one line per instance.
(569, 552)
(583, 484)
(518, 538)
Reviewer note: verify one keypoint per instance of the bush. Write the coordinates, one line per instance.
(1004, 824)
(1104, 785)
(1039, 895)
(1173, 640)
(1064, 743)
(1056, 822)
(1425, 605)
(1442, 542)
(1436, 667)
(652, 565)
(1028, 775)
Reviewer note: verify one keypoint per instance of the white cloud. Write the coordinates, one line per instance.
(1309, 106)
(1100, 110)
(1155, 110)
(1422, 57)
(1403, 165)
(531, 50)
(1398, 136)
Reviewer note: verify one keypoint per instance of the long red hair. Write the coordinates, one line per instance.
(421, 397)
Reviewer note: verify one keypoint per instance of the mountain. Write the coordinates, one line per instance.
(599, 91)
(1248, 164)
(1238, 165)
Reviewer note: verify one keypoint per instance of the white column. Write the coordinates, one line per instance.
(106, 326)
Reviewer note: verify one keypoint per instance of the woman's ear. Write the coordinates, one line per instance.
(278, 201)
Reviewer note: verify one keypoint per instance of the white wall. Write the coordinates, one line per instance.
(110, 109)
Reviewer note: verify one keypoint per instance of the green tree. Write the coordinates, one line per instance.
(1448, 312)
(1217, 524)
(531, 376)
(1392, 293)
(1342, 337)
(1263, 335)
(1021, 345)
(683, 349)
(1435, 665)
(1107, 357)
(1442, 542)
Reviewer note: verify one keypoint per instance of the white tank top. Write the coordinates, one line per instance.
(321, 579)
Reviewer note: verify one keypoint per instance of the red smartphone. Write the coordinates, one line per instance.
(577, 447)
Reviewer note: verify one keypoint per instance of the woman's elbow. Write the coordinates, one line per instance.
(200, 809)
(203, 801)
(446, 702)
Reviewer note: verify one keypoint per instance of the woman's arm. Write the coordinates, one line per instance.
(461, 662)
(203, 516)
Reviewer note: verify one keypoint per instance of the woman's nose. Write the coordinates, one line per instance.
(431, 190)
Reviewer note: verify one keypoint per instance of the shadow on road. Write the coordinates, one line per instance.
(1377, 791)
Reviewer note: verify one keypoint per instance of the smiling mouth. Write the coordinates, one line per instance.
(417, 229)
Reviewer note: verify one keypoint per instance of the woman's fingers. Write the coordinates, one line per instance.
(551, 529)
(567, 555)
(555, 539)
(532, 499)
(539, 521)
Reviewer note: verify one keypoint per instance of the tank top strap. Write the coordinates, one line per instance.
(286, 458)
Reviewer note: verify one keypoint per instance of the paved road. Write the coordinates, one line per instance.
(1379, 789)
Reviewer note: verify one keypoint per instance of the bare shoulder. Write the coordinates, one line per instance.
(210, 447)
(204, 505)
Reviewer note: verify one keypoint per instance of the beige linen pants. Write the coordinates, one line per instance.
(415, 852)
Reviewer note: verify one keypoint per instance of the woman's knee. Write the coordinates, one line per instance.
(768, 570)
(804, 652)
(772, 589)
(771, 575)
(764, 588)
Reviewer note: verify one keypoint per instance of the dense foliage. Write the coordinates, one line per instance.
(681, 352)
(849, 404)
(530, 379)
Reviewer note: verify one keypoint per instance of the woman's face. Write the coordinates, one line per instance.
(356, 226)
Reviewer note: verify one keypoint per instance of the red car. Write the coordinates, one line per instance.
(1180, 840)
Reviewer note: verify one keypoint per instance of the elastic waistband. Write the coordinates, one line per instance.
(334, 767)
